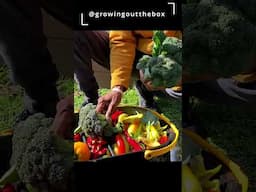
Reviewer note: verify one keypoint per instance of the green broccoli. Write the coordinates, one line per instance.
(247, 7)
(172, 48)
(40, 157)
(163, 68)
(93, 123)
(217, 39)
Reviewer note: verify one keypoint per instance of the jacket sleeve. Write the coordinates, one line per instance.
(122, 54)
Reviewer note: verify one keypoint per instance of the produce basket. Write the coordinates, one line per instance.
(232, 178)
(146, 153)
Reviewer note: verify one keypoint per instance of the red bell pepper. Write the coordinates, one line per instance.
(163, 139)
(135, 145)
(115, 115)
(97, 146)
(8, 188)
(121, 146)
(77, 137)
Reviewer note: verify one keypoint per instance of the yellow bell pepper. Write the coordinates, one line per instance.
(82, 151)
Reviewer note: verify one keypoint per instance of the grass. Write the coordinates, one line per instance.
(232, 128)
(11, 97)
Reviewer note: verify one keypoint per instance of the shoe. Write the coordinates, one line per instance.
(172, 94)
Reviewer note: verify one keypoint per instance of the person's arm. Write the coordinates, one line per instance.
(122, 54)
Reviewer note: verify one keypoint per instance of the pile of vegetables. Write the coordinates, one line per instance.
(163, 68)
(97, 138)
(218, 37)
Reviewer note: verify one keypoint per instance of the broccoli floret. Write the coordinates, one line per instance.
(165, 72)
(40, 156)
(218, 40)
(247, 7)
(163, 68)
(162, 71)
(143, 62)
(94, 124)
(172, 48)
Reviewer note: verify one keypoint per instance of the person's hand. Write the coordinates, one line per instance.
(108, 103)
(63, 124)
(148, 84)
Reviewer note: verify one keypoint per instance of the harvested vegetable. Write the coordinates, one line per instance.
(219, 39)
(205, 176)
(115, 116)
(121, 146)
(137, 131)
(163, 68)
(190, 182)
(82, 151)
(92, 123)
(134, 144)
(97, 146)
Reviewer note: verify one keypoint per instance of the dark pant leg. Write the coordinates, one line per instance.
(23, 48)
(88, 46)
(62, 10)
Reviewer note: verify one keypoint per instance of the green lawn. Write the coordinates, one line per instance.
(11, 97)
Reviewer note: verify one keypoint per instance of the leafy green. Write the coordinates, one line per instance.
(158, 38)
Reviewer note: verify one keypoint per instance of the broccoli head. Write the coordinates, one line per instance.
(218, 40)
(164, 67)
(161, 70)
(40, 157)
(247, 7)
(94, 124)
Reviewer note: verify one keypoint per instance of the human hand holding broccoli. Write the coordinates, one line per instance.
(163, 69)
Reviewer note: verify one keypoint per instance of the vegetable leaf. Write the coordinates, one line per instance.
(158, 38)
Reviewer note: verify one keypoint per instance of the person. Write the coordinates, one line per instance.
(23, 47)
(118, 51)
